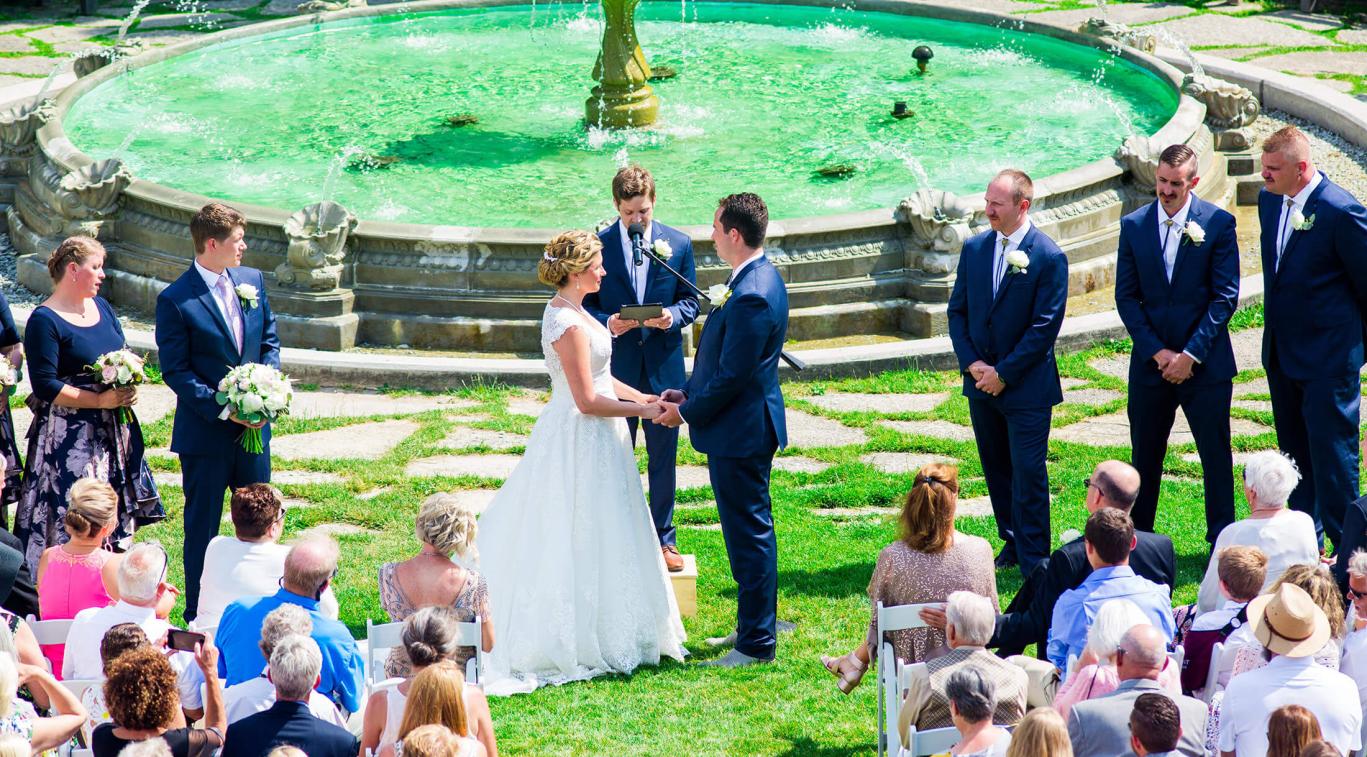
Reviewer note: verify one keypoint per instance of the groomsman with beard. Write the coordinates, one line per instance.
(1176, 286)
(1004, 316)
(1314, 246)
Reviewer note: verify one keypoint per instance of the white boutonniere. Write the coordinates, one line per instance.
(662, 248)
(1069, 536)
(718, 294)
(1018, 261)
(246, 294)
(1300, 223)
(1194, 233)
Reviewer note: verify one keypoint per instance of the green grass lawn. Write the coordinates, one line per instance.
(791, 707)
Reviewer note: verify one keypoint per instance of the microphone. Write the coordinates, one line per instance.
(637, 233)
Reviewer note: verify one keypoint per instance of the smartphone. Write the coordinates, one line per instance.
(183, 641)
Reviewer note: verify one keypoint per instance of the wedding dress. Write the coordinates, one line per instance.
(577, 585)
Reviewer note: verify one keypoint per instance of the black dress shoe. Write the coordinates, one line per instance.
(1007, 558)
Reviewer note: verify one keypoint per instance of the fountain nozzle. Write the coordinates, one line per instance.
(899, 110)
(922, 54)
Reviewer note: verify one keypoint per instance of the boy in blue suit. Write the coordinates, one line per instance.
(1176, 286)
(647, 356)
(1005, 312)
(1314, 245)
(213, 318)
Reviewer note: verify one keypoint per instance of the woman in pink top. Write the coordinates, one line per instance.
(80, 573)
(1096, 673)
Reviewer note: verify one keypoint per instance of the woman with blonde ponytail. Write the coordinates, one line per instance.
(577, 583)
(929, 561)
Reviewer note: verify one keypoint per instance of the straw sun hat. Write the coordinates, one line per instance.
(1288, 622)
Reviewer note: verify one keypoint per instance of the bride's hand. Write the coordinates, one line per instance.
(649, 399)
(651, 411)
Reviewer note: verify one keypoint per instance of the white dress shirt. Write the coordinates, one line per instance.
(642, 276)
(1252, 696)
(227, 306)
(1171, 233)
(735, 272)
(82, 659)
(1013, 243)
(258, 695)
(1284, 220)
(234, 569)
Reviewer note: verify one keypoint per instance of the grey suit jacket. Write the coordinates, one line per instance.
(1101, 727)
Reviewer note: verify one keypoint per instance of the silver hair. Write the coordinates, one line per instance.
(1272, 476)
(141, 571)
(1115, 617)
(973, 694)
(973, 617)
(1357, 564)
(295, 664)
(150, 748)
(285, 620)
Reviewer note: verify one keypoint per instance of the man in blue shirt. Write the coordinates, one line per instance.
(1109, 538)
(309, 569)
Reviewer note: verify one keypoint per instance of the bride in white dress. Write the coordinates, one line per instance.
(577, 584)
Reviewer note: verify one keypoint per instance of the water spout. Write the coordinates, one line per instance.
(127, 22)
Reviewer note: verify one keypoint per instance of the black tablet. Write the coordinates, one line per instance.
(641, 312)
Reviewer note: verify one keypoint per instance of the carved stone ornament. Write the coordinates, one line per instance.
(1101, 27)
(1229, 109)
(19, 124)
(92, 60)
(89, 195)
(1139, 157)
(938, 219)
(319, 6)
(317, 247)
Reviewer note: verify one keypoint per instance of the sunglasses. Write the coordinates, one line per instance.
(1354, 594)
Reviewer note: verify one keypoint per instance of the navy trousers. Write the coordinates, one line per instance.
(741, 485)
(1152, 410)
(1014, 446)
(662, 449)
(207, 478)
(1317, 425)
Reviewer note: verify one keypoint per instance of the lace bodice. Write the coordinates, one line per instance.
(554, 323)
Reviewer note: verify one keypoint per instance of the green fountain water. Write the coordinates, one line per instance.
(766, 96)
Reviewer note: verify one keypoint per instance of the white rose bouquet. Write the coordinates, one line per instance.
(119, 368)
(255, 393)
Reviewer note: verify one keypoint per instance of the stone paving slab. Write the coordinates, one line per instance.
(903, 462)
(365, 441)
(54, 34)
(1311, 62)
(1261, 406)
(878, 403)
(799, 464)
(1315, 22)
(937, 429)
(1234, 53)
(226, 5)
(806, 430)
(1068, 382)
(974, 507)
(1125, 13)
(373, 493)
(855, 512)
(281, 478)
(685, 477)
(281, 8)
(33, 67)
(526, 406)
(361, 404)
(1113, 430)
(335, 530)
(1240, 458)
(1248, 348)
(1117, 366)
(478, 500)
(464, 437)
(1352, 36)
(1256, 386)
(486, 466)
(13, 43)
(1210, 29)
(1093, 396)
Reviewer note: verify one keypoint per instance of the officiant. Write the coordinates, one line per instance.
(647, 347)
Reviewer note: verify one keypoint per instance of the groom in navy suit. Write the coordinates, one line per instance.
(647, 356)
(213, 318)
(1005, 312)
(1314, 245)
(1176, 286)
(734, 411)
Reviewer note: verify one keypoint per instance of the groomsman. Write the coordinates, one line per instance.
(211, 319)
(1314, 245)
(1176, 286)
(1004, 316)
(647, 355)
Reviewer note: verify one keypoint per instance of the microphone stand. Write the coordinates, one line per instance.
(790, 359)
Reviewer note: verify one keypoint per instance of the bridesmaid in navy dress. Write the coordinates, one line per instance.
(75, 432)
(11, 351)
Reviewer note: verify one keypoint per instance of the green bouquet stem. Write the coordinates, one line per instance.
(251, 441)
(121, 415)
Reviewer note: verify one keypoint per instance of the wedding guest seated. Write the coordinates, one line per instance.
(18, 717)
(1353, 659)
(1242, 571)
(124, 637)
(1318, 582)
(1109, 537)
(445, 526)
(310, 567)
(926, 704)
(929, 561)
(429, 637)
(431, 741)
(258, 694)
(1290, 729)
(1292, 628)
(144, 704)
(1113, 484)
(141, 585)
(972, 701)
(16, 637)
(1096, 675)
(1285, 536)
(251, 562)
(81, 573)
(1096, 726)
(437, 697)
(1155, 725)
(1320, 748)
(294, 665)
(1041, 733)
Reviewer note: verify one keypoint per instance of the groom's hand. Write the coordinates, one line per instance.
(248, 424)
(670, 417)
(673, 395)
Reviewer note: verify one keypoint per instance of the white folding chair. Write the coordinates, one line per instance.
(1177, 656)
(1221, 661)
(82, 753)
(472, 635)
(78, 686)
(381, 638)
(49, 631)
(933, 741)
(887, 619)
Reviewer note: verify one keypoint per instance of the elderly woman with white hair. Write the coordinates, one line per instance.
(1096, 674)
(1286, 536)
(972, 699)
(445, 527)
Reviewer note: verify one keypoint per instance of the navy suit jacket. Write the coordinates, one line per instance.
(1015, 331)
(195, 349)
(734, 400)
(288, 723)
(1313, 302)
(1190, 314)
(654, 353)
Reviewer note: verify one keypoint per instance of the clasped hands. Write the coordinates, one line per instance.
(664, 409)
(1176, 366)
(619, 327)
(986, 378)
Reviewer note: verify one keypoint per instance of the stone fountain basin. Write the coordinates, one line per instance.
(475, 289)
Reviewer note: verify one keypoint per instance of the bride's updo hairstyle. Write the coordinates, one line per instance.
(569, 253)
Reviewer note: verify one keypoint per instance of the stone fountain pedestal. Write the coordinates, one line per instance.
(623, 98)
(315, 320)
